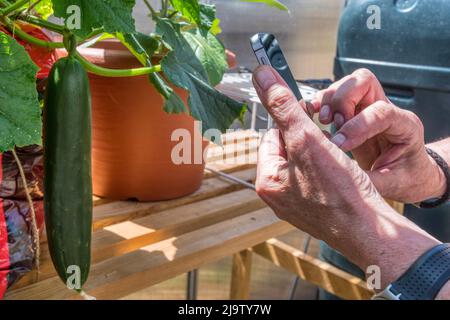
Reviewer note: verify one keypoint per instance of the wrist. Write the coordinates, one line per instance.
(427, 279)
(391, 242)
(439, 181)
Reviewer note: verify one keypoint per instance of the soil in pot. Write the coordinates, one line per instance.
(132, 135)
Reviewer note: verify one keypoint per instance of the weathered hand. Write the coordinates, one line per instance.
(304, 178)
(311, 183)
(386, 141)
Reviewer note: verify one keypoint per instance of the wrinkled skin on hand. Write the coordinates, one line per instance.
(306, 179)
(388, 142)
(310, 182)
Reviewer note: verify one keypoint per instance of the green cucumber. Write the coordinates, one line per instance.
(67, 169)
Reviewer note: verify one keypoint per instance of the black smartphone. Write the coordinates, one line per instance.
(268, 52)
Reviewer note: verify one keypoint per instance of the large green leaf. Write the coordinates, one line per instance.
(270, 3)
(201, 14)
(207, 16)
(173, 102)
(183, 68)
(143, 47)
(20, 114)
(190, 9)
(210, 52)
(111, 15)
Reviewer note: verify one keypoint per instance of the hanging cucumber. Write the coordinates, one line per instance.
(67, 165)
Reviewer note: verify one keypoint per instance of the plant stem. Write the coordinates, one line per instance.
(13, 7)
(94, 34)
(105, 72)
(28, 38)
(34, 226)
(164, 7)
(42, 23)
(70, 43)
(149, 6)
(172, 14)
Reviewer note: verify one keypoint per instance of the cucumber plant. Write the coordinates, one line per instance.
(190, 57)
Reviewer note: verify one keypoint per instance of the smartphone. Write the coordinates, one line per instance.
(268, 52)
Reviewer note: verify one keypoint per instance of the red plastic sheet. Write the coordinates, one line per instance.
(17, 248)
(4, 252)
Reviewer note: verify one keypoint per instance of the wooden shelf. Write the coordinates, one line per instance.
(137, 245)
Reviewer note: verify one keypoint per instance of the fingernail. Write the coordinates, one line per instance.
(339, 139)
(325, 112)
(310, 108)
(338, 120)
(265, 78)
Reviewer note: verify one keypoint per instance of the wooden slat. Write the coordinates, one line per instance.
(229, 152)
(175, 222)
(123, 275)
(314, 270)
(241, 161)
(120, 211)
(236, 137)
(230, 168)
(227, 168)
(99, 201)
(126, 237)
(212, 187)
(235, 146)
(241, 275)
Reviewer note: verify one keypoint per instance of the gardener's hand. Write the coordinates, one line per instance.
(305, 178)
(311, 183)
(386, 141)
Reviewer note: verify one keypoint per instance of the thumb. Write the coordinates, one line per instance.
(278, 99)
(294, 124)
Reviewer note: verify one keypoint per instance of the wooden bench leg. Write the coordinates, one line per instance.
(241, 275)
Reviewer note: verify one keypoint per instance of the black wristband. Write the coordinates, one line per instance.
(446, 197)
(426, 277)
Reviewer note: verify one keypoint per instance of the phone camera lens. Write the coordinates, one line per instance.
(278, 60)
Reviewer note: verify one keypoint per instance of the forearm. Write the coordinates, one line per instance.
(381, 237)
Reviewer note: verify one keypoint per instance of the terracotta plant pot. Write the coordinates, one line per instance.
(132, 144)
